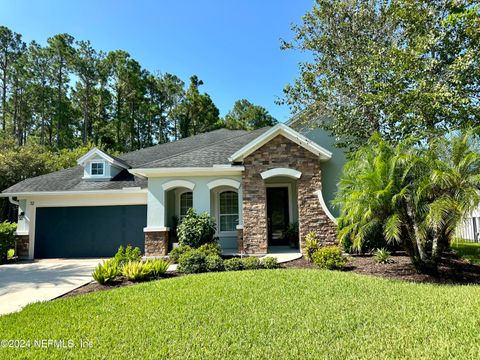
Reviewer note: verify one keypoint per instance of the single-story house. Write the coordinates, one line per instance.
(253, 183)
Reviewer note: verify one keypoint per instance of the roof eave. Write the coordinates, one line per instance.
(188, 171)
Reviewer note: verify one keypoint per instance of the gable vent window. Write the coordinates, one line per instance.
(97, 169)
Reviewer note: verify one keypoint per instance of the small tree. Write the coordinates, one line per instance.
(7, 239)
(196, 230)
(416, 195)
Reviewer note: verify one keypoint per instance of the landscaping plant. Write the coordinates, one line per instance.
(196, 230)
(214, 263)
(251, 263)
(106, 272)
(269, 262)
(7, 239)
(382, 256)
(124, 255)
(233, 264)
(178, 251)
(311, 245)
(137, 270)
(417, 193)
(158, 267)
(211, 248)
(330, 257)
(194, 261)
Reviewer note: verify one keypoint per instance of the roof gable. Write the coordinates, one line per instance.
(94, 153)
(289, 133)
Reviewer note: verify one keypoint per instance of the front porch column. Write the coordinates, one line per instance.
(156, 234)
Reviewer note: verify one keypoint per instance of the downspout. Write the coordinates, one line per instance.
(14, 202)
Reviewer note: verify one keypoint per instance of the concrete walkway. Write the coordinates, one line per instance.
(41, 280)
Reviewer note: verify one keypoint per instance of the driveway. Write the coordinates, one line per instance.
(41, 280)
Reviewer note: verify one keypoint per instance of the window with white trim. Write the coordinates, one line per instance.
(228, 211)
(186, 202)
(97, 168)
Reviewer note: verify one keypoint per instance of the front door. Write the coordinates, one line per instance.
(277, 215)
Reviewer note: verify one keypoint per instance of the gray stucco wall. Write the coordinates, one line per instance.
(331, 169)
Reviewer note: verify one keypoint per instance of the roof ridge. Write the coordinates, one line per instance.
(200, 147)
(170, 142)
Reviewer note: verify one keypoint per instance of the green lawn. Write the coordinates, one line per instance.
(468, 250)
(263, 314)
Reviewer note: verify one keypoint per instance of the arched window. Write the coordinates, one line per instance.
(186, 202)
(228, 211)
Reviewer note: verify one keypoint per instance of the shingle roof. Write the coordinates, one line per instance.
(203, 150)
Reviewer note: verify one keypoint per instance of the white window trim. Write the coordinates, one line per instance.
(178, 194)
(216, 193)
(104, 168)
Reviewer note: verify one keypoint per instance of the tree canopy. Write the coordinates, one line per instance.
(67, 94)
(247, 116)
(397, 67)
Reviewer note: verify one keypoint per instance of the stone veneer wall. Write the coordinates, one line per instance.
(156, 243)
(280, 152)
(22, 245)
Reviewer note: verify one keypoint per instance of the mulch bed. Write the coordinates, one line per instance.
(94, 286)
(451, 270)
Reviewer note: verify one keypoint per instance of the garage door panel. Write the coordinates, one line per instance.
(88, 231)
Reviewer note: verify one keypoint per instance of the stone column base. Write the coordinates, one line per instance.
(22, 246)
(240, 247)
(156, 242)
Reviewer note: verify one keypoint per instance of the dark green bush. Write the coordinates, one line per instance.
(212, 248)
(193, 261)
(127, 254)
(196, 230)
(330, 257)
(251, 263)
(214, 263)
(7, 239)
(178, 251)
(233, 264)
(269, 262)
(106, 272)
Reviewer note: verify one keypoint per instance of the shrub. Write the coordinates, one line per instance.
(251, 263)
(212, 248)
(382, 256)
(158, 267)
(7, 239)
(178, 251)
(330, 257)
(214, 263)
(193, 261)
(105, 272)
(10, 254)
(233, 264)
(291, 234)
(269, 262)
(125, 255)
(311, 245)
(136, 270)
(196, 230)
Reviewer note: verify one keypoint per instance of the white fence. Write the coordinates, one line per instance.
(470, 229)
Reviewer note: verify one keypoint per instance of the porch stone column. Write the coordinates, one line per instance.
(240, 247)
(156, 242)
(22, 246)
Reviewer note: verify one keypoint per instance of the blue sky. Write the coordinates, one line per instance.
(232, 45)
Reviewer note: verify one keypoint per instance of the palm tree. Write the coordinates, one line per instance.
(413, 195)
